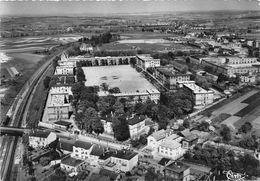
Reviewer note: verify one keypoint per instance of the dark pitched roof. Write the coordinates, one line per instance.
(125, 154)
(82, 144)
(41, 134)
(71, 161)
(63, 123)
(106, 155)
(135, 120)
(164, 161)
(66, 144)
(177, 167)
(97, 150)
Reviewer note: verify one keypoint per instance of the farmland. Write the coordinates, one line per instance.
(243, 109)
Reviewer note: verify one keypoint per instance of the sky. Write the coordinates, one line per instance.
(77, 7)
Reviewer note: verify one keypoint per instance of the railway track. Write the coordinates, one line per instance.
(7, 164)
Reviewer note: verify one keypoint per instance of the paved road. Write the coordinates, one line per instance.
(19, 117)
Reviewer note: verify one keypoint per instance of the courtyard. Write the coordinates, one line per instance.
(123, 76)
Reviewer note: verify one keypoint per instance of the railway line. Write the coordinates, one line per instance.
(20, 113)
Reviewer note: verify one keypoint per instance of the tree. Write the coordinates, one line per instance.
(91, 121)
(84, 104)
(80, 75)
(133, 61)
(225, 133)
(46, 82)
(118, 108)
(186, 123)
(245, 128)
(120, 129)
(104, 86)
(114, 90)
(45, 161)
(55, 62)
(202, 82)
(222, 78)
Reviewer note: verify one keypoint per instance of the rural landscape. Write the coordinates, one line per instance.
(133, 95)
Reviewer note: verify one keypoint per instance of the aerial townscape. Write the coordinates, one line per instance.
(130, 96)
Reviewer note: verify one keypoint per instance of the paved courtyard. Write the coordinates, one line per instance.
(123, 76)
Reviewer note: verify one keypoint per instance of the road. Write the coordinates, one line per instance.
(19, 117)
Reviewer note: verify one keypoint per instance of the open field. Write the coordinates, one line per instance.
(124, 76)
(234, 106)
(243, 109)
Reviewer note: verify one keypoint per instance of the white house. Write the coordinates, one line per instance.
(171, 149)
(154, 140)
(41, 139)
(81, 150)
(95, 154)
(123, 160)
(136, 125)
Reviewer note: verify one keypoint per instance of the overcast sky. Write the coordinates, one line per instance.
(120, 6)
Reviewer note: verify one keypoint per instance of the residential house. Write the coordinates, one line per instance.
(123, 160)
(177, 171)
(171, 149)
(70, 164)
(41, 139)
(81, 150)
(154, 140)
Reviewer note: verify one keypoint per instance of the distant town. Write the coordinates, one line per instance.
(136, 98)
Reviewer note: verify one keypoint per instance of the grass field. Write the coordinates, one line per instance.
(124, 76)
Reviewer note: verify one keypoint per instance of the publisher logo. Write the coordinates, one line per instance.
(232, 176)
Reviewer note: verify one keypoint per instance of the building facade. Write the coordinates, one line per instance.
(146, 61)
(177, 171)
(41, 139)
(201, 96)
(169, 77)
(58, 103)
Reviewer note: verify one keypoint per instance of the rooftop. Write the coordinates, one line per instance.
(172, 144)
(71, 161)
(136, 119)
(63, 123)
(40, 134)
(195, 88)
(177, 167)
(164, 161)
(66, 145)
(169, 72)
(158, 135)
(97, 150)
(82, 144)
(125, 154)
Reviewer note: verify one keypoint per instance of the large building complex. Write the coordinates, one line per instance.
(152, 94)
(169, 76)
(95, 61)
(145, 61)
(201, 96)
(232, 65)
(58, 104)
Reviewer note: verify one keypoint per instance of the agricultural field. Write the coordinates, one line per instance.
(243, 109)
